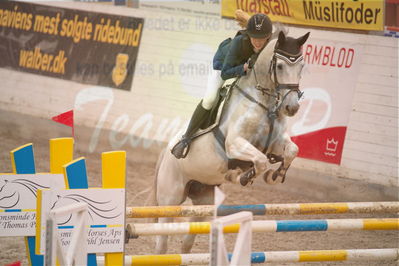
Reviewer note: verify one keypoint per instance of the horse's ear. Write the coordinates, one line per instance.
(303, 39)
(281, 38)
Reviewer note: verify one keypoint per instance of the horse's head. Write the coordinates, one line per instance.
(285, 72)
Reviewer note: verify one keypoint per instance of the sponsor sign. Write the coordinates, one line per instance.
(328, 82)
(345, 14)
(18, 195)
(188, 7)
(106, 214)
(86, 47)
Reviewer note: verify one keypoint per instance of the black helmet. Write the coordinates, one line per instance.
(259, 26)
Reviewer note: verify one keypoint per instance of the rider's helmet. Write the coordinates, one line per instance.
(259, 26)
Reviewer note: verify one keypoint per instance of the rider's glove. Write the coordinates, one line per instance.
(250, 63)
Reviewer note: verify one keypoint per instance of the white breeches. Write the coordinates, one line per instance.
(212, 89)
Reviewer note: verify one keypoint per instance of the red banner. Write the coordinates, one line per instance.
(328, 82)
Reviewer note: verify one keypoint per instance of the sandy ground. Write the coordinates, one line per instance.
(139, 176)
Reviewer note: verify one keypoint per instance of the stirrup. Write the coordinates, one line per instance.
(181, 148)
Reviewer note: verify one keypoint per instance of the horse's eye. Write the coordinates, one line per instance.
(279, 66)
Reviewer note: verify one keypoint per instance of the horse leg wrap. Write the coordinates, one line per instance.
(273, 158)
(247, 176)
(281, 171)
(130, 234)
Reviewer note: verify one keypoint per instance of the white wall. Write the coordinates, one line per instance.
(160, 100)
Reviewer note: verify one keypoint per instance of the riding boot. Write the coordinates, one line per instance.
(181, 148)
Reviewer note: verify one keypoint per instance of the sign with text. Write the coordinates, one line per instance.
(188, 7)
(86, 47)
(106, 213)
(344, 14)
(328, 83)
(18, 201)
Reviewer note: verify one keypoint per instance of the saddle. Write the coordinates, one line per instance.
(215, 115)
(212, 125)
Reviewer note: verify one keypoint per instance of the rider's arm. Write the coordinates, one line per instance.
(232, 66)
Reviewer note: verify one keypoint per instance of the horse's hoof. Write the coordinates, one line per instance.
(247, 177)
(128, 233)
(272, 177)
(244, 181)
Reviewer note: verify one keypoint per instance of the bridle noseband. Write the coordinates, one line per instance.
(291, 60)
(278, 87)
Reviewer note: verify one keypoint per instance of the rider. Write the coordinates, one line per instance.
(232, 59)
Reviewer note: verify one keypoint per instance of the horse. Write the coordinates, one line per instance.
(253, 129)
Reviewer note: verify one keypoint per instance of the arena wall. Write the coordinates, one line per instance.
(170, 76)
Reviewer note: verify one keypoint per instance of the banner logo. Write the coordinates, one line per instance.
(331, 147)
(119, 72)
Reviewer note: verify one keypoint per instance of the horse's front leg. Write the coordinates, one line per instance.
(242, 149)
(287, 150)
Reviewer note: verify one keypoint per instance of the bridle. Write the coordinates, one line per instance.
(275, 93)
(290, 59)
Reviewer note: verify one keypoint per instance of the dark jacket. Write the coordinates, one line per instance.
(232, 55)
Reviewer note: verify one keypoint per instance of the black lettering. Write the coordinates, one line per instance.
(327, 16)
(368, 16)
(308, 10)
(349, 15)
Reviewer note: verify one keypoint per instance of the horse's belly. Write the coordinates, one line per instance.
(203, 163)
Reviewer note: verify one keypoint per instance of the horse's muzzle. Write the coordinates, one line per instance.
(292, 109)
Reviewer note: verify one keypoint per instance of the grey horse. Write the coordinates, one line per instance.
(267, 95)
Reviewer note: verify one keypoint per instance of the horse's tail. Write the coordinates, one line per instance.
(152, 197)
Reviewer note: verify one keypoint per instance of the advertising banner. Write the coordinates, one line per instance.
(188, 7)
(344, 14)
(106, 217)
(18, 195)
(86, 47)
(328, 82)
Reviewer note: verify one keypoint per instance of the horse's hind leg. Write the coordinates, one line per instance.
(161, 242)
(286, 149)
(200, 195)
(171, 190)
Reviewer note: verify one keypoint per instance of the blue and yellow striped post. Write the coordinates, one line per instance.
(76, 178)
(114, 176)
(23, 162)
(61, 152)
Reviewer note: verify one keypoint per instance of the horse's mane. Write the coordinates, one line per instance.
(277, 28)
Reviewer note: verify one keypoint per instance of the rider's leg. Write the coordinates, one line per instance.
(200, 114)
(212, 89)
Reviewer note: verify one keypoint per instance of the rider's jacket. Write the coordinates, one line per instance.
(232, 55)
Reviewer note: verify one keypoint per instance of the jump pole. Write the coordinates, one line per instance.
(273, 256)
(263, 209)
(151, 229)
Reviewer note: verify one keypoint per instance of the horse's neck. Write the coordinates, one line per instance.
(259, 74)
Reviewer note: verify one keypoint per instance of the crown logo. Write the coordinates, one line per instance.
(331, 145)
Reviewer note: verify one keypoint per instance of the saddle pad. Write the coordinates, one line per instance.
(224, 96)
